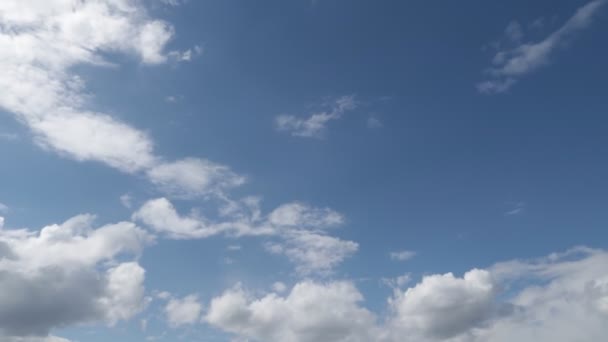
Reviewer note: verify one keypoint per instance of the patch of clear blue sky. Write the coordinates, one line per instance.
(436, 178)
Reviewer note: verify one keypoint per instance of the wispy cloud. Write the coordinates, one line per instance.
(512, 63)
(314, 125)
(517, 209)
(402, 255)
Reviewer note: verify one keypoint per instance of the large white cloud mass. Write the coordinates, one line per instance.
(40, 44)
(69, 273)
(561, 298)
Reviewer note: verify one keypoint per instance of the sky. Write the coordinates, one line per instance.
(302, 171)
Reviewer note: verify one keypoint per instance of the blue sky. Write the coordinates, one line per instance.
(295, 171)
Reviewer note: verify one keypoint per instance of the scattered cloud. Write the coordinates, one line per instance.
(316, 123)
(187, 55)
(304, 216)
(519, 58)
(126, 200)
(172, 2)
(183, 311)
(402, 255)
(313, 253)
(397, 282)
(374, 122)
(299, 231)
(174, 98)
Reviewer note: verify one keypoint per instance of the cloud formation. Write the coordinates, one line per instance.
(69, 273)
(316, 123)
(41, 42)
(183, 311)
(555, 298)
(510, 64)
(299, 230)
(402, 255)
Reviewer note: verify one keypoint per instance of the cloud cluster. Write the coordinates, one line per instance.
(316, 123)
(299, 230)
(41, 42)
(510, 64)
(560, 298)
(69, 273)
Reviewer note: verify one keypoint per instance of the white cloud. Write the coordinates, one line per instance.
(35, 339)
(279, 287)
(126, 200)
(299, 215)
(310, 313)
(187, 55)
(3, 207)
(193, 177)
(313, 253)
(443, 306)
(402, 255)
(161, 215)
(68, 274)
(397, 282)
(513, 63)
(172, 2)
(374, 122)
(315, 125)
(183, 311)
(560, 298)
(1, 222)
(41, 42)
(517, 209)
(299, 229)
(514, 32)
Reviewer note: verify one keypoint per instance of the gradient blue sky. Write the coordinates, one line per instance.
(456, 134)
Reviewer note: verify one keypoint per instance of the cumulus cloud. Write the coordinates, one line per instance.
(310, 312)
(316, 123)
(66, 274)
(444, 306)
(561, 298)
(510, 64)
(41, 42)
(182, 311)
